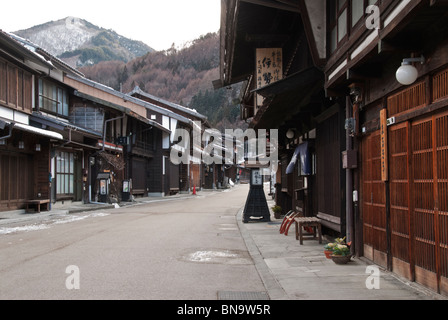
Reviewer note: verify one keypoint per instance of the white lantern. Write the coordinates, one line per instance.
(407, 74)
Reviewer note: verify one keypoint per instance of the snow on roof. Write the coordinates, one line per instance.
(42, 54)
(190, 111)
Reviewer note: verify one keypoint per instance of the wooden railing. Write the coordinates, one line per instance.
(440, 85)
(413, 97)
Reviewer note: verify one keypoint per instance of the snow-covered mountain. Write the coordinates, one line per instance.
(80, 43)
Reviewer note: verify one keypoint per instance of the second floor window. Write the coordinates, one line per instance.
(358, 10)
(344, 15)
(338, 13)
(53, 98)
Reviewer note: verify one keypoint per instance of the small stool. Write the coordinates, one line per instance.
(314, 223)
(37, 203)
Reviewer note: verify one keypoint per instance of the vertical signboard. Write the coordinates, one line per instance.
(384, 147)
(269, 69)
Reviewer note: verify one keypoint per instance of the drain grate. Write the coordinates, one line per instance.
(237, 295)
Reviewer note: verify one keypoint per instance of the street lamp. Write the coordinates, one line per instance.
(407, 74)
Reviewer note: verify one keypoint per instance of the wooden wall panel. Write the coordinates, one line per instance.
(423, 201)
(440, 86)
(374, 200)
(399, 198)
(410, 98)
(442, 197)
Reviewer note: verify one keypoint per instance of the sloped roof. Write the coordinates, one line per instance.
(37, 54)
(189, 111)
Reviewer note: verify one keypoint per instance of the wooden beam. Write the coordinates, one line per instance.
(373, 73)
(275, 5)
(267, 38)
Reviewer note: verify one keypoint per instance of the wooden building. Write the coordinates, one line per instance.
(143, 135)
(266, 46)
(69, 139)
(378, 172)
(191, 174)
(398, 137)
(24, 149)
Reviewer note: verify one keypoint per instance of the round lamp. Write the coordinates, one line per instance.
(407, 74)
(290, 134)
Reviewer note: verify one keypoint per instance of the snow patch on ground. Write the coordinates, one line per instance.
(43, 226)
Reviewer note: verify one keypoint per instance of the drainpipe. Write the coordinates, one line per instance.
(11, 126)
(349, 179)
(69, 139)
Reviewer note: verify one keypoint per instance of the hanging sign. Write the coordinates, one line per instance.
(269, 68)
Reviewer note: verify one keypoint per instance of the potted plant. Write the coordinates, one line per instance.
(341, 254)
(328, 249)
(277, 211)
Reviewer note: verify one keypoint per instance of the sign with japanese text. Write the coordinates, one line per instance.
(269, 68)
(384, 153)
(257, 178)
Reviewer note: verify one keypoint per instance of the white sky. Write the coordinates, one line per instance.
(158, 23)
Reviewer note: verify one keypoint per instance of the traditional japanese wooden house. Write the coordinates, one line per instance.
(270, 47)
(191, 174)
(389, 63)
(376, 136)
(77, 140)
(139, 143)
(25, 149)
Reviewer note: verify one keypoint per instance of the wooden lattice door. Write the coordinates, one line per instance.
(430, 201)
(441, 156)
(423, 202)
(373, 201)
(400, 198)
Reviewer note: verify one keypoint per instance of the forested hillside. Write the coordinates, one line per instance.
(183, 76)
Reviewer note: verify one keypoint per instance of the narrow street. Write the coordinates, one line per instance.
(181, 249)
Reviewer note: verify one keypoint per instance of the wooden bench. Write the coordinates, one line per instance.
(309, 222)
(37, 203)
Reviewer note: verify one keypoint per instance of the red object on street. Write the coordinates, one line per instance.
(194, 190)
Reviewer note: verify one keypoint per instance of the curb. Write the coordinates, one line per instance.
(274, 289)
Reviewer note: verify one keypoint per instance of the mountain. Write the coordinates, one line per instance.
(183, 76)
(80, 43)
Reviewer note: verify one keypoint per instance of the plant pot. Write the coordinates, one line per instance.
(328, 253)
(278, 215)
(341, 259)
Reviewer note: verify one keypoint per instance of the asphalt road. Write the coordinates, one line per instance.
(182, 249)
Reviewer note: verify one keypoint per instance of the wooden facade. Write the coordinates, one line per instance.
(399, 139)
(64, 138)
(373, 136)
(189, 175)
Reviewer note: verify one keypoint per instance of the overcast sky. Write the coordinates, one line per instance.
(158, 23)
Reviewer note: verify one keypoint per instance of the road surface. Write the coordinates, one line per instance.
(182, 249)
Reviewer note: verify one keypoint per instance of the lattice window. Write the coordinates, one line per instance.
(440, 85)
(408, 99)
